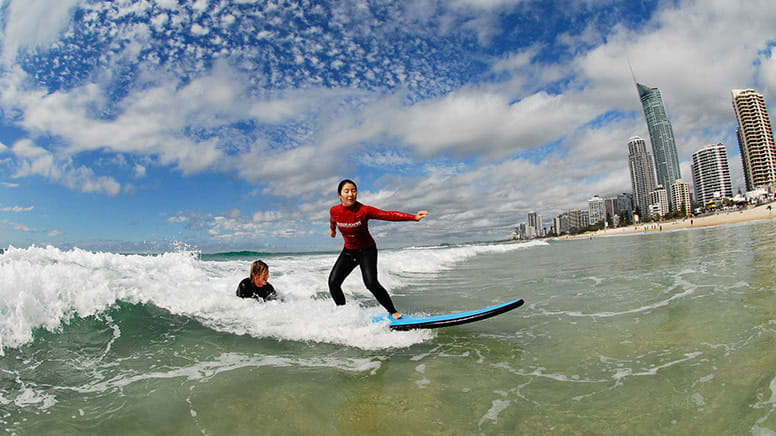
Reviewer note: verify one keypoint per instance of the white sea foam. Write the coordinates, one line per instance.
(496, 408)
(45, 288)
(628, 372)
(201, 371)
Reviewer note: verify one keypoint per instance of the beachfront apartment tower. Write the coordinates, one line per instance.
(661, 134)
(710, 173)
(535, 222)
(755, 138)
(658, 202)
(642, 173)
(596, 209)
(625, 204)
(680, 196)
(578, 219)
(561, 224)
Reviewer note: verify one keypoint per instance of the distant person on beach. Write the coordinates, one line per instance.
(351, 218)
(256, 286)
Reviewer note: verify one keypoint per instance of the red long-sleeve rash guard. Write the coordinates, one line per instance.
(352, 223)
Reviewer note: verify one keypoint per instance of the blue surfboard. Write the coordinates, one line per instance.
(410, 322)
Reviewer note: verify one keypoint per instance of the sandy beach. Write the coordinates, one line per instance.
(760, 212)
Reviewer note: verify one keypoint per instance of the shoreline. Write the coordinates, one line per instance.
(756, 213)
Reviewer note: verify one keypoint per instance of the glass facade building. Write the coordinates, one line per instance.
(661, 134)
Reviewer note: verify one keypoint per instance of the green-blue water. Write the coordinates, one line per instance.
(668, 333)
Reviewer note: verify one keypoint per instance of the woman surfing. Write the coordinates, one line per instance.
(351, 218)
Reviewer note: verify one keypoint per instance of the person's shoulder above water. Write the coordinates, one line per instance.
(266, 293)
(246, 289)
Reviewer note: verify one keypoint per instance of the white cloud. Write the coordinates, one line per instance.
(152, 120)
(159, 21)
(140, 171)
(33, 160)
(177, 219)
(198, 30)
(767, 76)
(17, 209)
(228, 20)
(18, 227)
(167, 4)
(33, 24)
(384, 159)
(200, 5)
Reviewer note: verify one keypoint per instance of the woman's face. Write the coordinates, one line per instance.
(261, 279)
(348, 194)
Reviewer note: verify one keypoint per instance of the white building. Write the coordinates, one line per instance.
(535, 222)
(596, 209)
(680, 196)
(710, 174)
(658, 202)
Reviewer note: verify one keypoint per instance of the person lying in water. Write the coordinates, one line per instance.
(256, 286)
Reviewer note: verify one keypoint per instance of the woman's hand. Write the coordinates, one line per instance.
(420, 215)
(333, 233)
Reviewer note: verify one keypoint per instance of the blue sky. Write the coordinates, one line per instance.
(226, 125)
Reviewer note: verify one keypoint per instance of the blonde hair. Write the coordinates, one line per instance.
(258, 268)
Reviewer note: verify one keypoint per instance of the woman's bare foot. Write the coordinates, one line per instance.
(396, 315)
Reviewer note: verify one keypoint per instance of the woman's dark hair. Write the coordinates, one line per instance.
(345, 182)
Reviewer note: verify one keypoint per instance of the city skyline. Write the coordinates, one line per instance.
(226, 125)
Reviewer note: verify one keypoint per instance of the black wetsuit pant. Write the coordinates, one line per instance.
(347, 261)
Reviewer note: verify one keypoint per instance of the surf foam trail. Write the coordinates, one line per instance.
(45, 288)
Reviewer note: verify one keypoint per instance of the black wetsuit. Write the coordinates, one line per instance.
(247, 289)
(347, 261)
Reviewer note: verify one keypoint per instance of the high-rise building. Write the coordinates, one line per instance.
(755, 138)
(578, 219)
(596, 209)
(535, 222)
(520, 232)
(710, 173)
(610, 208)
(680, 196)
(658, 202)
(625, 204)
(661, 134)
(642, 173)
(561, 224)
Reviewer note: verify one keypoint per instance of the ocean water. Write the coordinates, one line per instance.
(660, 333)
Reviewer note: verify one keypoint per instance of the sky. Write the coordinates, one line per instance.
(151, 125)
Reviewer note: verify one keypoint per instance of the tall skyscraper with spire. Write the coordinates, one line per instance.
(661, 134)
(755, 138)
(642, 174)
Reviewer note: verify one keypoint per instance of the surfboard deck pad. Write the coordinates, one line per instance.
(411, 322)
